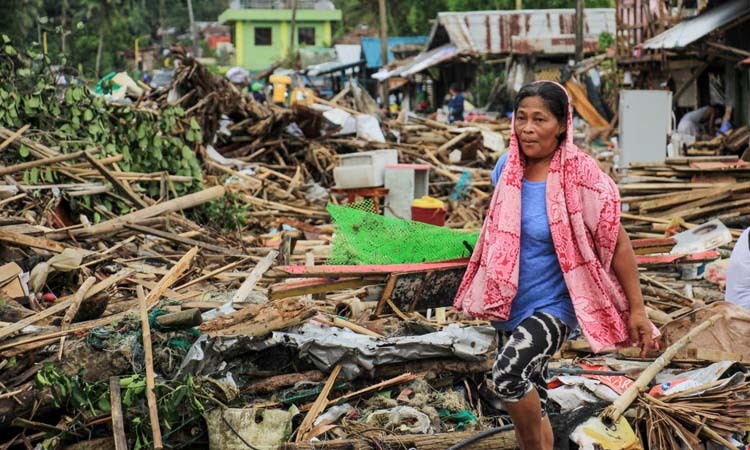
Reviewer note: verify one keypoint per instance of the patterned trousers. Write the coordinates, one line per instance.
(522, 357)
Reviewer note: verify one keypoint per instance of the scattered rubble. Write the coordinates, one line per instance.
(195, 303)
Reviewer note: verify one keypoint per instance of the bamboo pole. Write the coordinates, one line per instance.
(153, 411)
(615, 410)
(177, 204)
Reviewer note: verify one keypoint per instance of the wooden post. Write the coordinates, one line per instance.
(153, 411)
(579, 30)
(292, 25)
(383, 50)
(118, 421)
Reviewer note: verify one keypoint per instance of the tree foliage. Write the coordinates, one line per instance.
(117, 23)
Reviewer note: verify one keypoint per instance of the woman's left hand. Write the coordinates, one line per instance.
(640, 331)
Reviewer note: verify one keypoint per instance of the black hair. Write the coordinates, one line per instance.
(454, 87)
(553, 96)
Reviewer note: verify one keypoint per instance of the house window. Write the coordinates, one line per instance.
(306, 36)
(263, 36)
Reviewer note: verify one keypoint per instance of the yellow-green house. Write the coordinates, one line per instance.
(261, 36)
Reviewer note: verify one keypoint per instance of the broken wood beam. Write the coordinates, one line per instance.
(318, 406)
(24, 240)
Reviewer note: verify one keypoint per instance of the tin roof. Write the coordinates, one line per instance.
(689, 31)
(549, 31)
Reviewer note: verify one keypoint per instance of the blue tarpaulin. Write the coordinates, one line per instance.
(371, 48)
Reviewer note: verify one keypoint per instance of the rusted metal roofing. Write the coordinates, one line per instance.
(689, 31)
(548, 31)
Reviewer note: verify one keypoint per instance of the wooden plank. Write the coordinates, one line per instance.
(118, 421)
(649, 260)
(318, 406)
(24, 240)
(318, 286)
(374, 269)
(153, 411)
(705, 211)
(171, 277)
(255, 275)
(385, 298)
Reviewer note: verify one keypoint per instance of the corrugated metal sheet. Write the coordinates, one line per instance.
(689, 31)
(423, 61)
(371, 48)
(504, 32)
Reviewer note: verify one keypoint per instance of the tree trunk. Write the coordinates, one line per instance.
(99, 51)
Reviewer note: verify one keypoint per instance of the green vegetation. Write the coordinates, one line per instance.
(74, 120)
(180, 403)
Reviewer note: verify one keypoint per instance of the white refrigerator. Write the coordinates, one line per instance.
(645, 123)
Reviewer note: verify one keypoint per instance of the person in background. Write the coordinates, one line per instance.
(700, 123)
(257, 89)
(738, 273)
(538, 276)
(456, 104)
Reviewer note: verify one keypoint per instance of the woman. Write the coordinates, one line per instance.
(552, 255)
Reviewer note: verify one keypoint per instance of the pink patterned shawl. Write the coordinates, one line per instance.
(583, 208)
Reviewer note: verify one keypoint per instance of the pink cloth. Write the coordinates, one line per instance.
(583, 207)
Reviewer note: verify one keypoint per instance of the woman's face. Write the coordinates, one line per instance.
(537, 129)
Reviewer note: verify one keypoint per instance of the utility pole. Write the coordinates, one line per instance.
(292, 26)
(193, 31)
(579, 29)
(383, 51)
(519, 4)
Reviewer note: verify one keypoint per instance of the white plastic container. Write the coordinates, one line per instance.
(364, 169)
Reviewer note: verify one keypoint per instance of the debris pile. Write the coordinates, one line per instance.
(171, 277)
